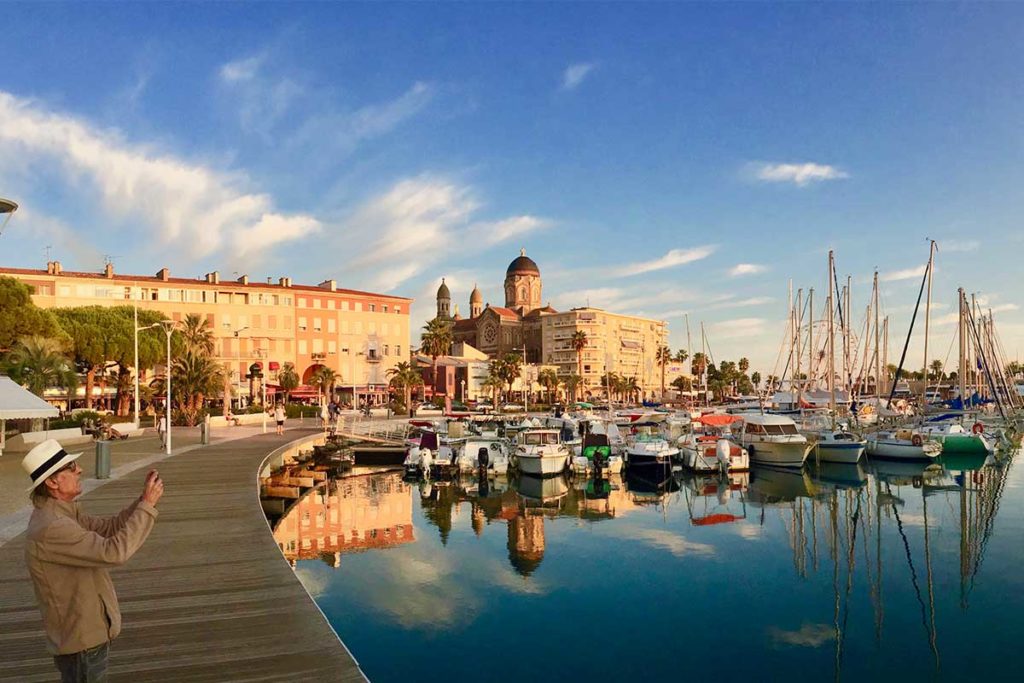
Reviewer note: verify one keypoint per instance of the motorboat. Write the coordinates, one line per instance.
(838, 445)
(956, 440)
(649, 450)
(902, 444)
(540, 452)
(596, 456)
(710, 449)
(774, 440)
(478, 453)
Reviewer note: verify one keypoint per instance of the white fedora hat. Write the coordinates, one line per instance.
(45, 459)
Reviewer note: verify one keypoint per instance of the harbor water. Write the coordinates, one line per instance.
(881, 571)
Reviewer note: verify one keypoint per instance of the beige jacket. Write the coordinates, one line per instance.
(68, 555)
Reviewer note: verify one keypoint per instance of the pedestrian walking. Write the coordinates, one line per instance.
(279, 416)
(161, 429)
(324, 414)
(69, 555)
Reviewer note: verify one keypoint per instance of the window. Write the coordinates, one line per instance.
(332, 347)
(287, 301)
(65, 290)
(384, 328)
(271, 323)
(318, 346)
(373, 308)
(302, 346)
(302, 302)
(344, 327)
(256, 323)
(317, 324)
(385, 349)
(316, 303)
(344, 305)
(330, 304)
(357, 306)
(384, 308)
(243, 321)
(225, 323)
(398, 350)
(276, 299)
(332, 325)
(397, 309)
(302, 324)
(287, 322)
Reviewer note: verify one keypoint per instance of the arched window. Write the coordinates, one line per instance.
(522, 294)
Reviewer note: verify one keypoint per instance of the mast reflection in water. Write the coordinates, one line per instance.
(882, 570)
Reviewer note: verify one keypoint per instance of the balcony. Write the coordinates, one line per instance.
(373, 357)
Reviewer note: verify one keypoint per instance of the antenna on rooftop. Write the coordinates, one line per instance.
(47, 248)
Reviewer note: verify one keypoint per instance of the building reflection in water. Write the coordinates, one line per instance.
(346, 515)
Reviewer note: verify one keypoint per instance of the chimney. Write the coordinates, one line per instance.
(270, 280)
(329, 285)
(57, 269)
(49, 267)
(285, 282)
(108, 271)
(163, 274)
(213, 278)
(244, 280)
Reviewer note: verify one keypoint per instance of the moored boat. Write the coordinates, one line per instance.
(774, 440)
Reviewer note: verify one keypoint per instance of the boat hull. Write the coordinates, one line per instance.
(542, 465)
(900, 449)
(779, 454)
(847, 453)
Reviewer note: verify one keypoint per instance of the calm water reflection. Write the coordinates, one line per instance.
(882, 570)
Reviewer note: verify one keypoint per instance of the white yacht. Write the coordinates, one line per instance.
(774, 440)
(902, 444)
(540, 452)
(483, 453)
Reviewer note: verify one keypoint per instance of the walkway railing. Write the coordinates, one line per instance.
(373, 428)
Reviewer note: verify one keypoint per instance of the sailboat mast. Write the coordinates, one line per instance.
(704, 362)
(962, 333)
(811, 353)
(927, 321)
(847, 362)
(878, 348)
(831, 337)
(798, 320)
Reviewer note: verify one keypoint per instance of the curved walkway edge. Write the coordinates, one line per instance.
(209, 597)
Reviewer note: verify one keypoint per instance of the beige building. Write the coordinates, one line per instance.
(623, 344)
(360, 335)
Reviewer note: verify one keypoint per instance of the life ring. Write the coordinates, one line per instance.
(978, 428)
(916, 440)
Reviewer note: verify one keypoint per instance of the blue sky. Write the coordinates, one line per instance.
(653, 159)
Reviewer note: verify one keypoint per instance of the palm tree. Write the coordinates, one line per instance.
(493, 383)
(511, 367)
(324, 379)
(756, 379)
(194, 376)
(632, 389)
(744, 365)
(548, 379)
(663, 356)
(196, 334)
(38, 363)
(571, 383)
(936, 367)
(681, 356)
(404, 377)
(578, 341)
(287, 379)
(699, 364)
(436, 340)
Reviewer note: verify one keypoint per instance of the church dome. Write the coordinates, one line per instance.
(476, 297)
(443, 291)
(523, 264)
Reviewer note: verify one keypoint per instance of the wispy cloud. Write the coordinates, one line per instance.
(905, 274)
(959, 245)
(416, 221)
(199, 209)
(244, 69)
(741, 269)
(739, 327)
(575, 74)
(799, 174)
(809, 635)
(674, 257)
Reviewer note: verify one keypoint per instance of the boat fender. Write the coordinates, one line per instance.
(978, 428)
(916, 440)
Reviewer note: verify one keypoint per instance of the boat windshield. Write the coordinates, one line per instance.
(778, 430)
(540, 438)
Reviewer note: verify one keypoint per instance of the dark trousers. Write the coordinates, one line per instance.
(87, 666)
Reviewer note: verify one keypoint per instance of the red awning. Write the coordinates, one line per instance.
(716, 420)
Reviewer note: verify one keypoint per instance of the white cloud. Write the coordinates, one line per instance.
(809, 635)
(959, 245)
(905, 274)
(675, 257)
(241, 69)
(800, 174)
(739, 327)
(575, 74)
(413, 225)
(746, 269)
(673, 543)
(197, 209)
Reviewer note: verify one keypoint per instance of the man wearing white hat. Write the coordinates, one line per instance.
(69, 554)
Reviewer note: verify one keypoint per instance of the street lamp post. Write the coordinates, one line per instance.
(138, 329)
(238, 361)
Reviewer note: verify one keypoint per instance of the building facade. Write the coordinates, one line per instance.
(359, 335)
(617, 343)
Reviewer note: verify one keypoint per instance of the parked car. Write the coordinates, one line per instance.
(512, 408)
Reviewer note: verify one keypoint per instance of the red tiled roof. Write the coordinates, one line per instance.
(505, 312)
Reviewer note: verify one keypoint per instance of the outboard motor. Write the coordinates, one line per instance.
(483, 458)
(722, 452)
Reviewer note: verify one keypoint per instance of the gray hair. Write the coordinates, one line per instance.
(40, 493)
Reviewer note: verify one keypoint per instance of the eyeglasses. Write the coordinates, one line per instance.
(70, 467)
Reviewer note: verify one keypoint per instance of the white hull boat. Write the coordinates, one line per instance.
(539, 452)
(774, 440)
(902, 445)
(838, 446)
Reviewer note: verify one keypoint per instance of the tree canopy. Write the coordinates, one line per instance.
(19, 317)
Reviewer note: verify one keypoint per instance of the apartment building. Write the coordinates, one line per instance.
(617, 343)
(359, 335)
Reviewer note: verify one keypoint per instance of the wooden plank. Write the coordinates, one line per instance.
(209, 597)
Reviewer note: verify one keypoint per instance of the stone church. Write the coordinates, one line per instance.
(507, 329)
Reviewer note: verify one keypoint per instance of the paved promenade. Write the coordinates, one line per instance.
(209, 597)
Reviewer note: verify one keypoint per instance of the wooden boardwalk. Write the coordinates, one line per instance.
(209, 597)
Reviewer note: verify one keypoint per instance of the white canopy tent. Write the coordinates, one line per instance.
(17, 403)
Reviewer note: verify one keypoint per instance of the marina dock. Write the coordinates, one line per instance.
(209, 597)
